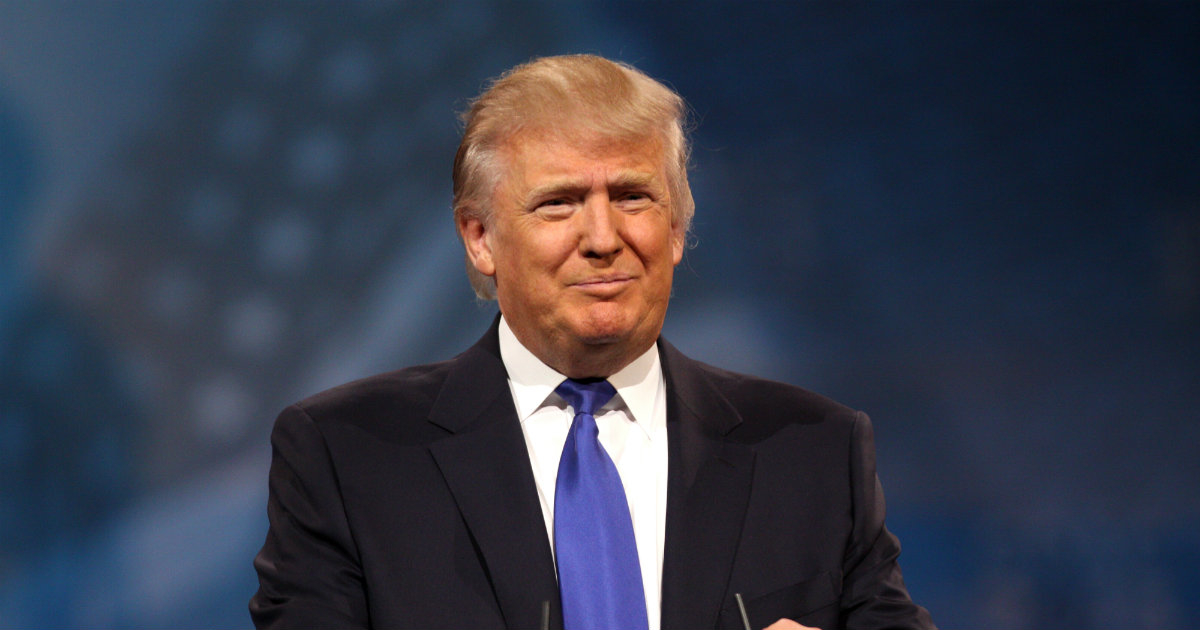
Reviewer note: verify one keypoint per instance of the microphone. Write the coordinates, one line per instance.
(742, 609)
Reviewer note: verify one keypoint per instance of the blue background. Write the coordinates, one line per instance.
(979, 222)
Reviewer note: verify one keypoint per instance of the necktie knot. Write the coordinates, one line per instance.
(586, 396)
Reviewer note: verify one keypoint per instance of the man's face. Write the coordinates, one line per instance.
(582, 247)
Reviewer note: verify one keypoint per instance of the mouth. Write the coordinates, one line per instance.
(604, 285)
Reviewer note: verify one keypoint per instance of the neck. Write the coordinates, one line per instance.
(594, 364)
(581, 360)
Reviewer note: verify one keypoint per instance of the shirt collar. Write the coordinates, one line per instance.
(532, 382)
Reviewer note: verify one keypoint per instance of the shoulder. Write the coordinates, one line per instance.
(410, 406)
(754, 393)
(764, 406)
(775, 401)
(416, 385)
(392, 404)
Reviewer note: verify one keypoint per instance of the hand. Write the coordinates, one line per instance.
(788, 624)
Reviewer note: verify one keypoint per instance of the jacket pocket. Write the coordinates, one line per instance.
(803, 602)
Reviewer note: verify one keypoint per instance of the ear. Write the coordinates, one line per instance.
(476, 239)
(678, 240)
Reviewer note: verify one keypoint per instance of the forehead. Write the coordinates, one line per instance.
(548, 151)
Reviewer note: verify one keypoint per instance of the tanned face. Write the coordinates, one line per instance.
(582, 246)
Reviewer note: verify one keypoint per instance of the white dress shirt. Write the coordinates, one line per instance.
(633, 429)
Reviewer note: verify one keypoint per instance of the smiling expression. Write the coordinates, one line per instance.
(582, 246)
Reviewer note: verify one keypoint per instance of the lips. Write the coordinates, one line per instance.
(608, 279)
(604, 285)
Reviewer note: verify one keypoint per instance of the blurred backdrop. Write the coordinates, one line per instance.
(979, 222)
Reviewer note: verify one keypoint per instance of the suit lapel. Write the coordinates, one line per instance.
(486, 465)
(708, 491)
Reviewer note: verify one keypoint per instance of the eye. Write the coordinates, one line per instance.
(557, 208)
(634, 201)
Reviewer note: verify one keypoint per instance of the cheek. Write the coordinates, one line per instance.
(530, 263)
(546, 250)
(660, 250)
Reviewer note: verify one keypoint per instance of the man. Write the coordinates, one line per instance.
(573, 466)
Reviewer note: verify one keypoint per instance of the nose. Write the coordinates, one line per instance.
(600, 223)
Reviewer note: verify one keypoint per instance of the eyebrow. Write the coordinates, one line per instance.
(622, 181)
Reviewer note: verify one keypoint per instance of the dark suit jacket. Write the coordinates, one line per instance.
(407, 500)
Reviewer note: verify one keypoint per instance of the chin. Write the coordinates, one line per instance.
(593, 335)
(607, 329)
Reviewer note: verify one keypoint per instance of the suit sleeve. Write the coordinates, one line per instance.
(873, 591)
(309, 572)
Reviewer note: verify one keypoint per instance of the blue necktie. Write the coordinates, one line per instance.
(598, 571)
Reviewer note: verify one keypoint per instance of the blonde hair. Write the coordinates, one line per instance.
(565, 93)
